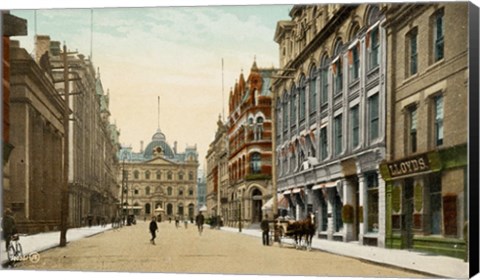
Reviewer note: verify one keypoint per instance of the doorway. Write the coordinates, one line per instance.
(407, 233)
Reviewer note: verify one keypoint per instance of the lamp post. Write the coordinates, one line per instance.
(239, 215)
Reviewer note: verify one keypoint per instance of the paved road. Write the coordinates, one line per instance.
(184, 250)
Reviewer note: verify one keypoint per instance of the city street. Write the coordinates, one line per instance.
(184, 250)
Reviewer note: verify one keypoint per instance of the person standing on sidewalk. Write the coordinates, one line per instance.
(8, 226)
(200, 220)
(153, 229)
(265, 230)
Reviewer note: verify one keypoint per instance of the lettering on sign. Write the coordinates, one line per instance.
(409, 166)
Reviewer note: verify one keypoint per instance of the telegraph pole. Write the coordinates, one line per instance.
(66, 120)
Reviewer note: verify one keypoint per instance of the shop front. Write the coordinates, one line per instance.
(426, 200)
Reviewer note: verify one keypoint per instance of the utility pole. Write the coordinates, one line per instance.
(66, 121)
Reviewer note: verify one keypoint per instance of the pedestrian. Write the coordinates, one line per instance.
(153, 229)
(265, 230)
(169, 220)
(176, 221)
(8, 226)
(185, 222)
(200, 220)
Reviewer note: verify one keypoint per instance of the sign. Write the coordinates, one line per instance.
(410, 166)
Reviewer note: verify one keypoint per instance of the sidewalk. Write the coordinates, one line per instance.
(42, 241)
(433, 265)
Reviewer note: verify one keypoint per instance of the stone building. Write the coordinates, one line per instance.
(330, 119)
(250, 147)
(217, 173)
(159, 180)
(93, 141)
(427, 128)
(37, 135)
(11, 26)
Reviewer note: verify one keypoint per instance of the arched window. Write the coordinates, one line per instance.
(147, 175)
(312, 96)
(285, 111)
(373, 14)
(136, 174)
(373, 38)
(169, 209)
(293, 105)
(147, 190)
(256, 163)
(169, 175)
(147, 208)
(302, 101)
(324, 81)
(338, 68)
(259, 120)
(180, 192)
(190, 191)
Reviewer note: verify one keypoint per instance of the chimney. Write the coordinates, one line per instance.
(141, 146)
(42, 44)
(175, 147)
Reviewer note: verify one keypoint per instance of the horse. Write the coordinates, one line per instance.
(298, 229)
(309, 229)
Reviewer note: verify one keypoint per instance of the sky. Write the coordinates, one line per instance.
(174, 53)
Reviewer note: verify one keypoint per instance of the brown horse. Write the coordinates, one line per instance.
(298, 229)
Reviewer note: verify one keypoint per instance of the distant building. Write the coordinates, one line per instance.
(217, 173)
(201, 191)
(250, 147)
(159, 180)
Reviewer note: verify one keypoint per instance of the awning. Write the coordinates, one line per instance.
(287, 192)
(282, 203)
(325, 185)
(159, 209)
(296, 190)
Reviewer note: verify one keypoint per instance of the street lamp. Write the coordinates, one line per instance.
(239, 215)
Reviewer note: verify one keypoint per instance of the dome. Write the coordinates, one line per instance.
(158, 140)
(158, 136)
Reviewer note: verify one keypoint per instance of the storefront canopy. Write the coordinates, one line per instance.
(282, 203)
(331, 184)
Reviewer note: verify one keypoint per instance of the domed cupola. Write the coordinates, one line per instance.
(158, 136)
(158, 147)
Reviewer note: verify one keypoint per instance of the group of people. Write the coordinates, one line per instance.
(153, 226)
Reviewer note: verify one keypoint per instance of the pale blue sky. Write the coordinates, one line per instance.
(171, 52)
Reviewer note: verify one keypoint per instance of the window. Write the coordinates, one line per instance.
(258, 132)
(324, 213)
(180, 176)
(412, 52)
(311, 147)
(412, 131)
(312, 101)
(190, 192)
(250, 120)
(180, 192)
(147, 190)
(373, 116)
(293, 107)
(354, 63)
(337, 206)
(337, 134)
(338, 76)
(438, 103)
(355, 124)
(255, 163)
(169, 175)
(190, 176)
(438, 35)
(435, 204)
(324, 81)
(323, 143)
(136, 192)
(147, 175)
(136, 174)
(285, 112)
(159, 175)
(301, 109)
(169, 190)
(374, 47)
(372, 193)
(259, 120)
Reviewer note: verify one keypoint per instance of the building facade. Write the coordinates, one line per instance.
(426, 167)
(250, 147)
(158, 180)
(92, 166)
(330, 119)
(217, 173)
(201, 191)
(37, 133)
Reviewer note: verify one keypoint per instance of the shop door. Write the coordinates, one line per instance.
(407, 233)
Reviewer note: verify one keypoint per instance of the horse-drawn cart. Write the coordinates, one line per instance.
(288, 229)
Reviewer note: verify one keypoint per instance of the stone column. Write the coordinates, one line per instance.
(330, 220)
(362, 188)
(348, 197)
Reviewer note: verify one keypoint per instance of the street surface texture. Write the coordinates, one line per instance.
(180, 250)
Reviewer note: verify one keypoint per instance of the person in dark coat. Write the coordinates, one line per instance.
(153, 229)
(8, 226)
(265, 230)
(200, 220)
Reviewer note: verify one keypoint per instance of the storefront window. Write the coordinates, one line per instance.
(372, 189)
(324, 213)
(436, 204)
(337, 206)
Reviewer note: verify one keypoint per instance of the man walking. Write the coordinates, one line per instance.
(265, 230)
(200, 220)
(153, 229)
